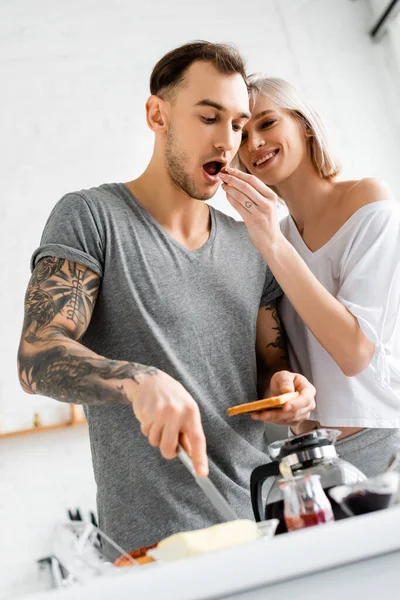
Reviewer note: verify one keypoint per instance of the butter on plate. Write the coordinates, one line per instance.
(210, 539)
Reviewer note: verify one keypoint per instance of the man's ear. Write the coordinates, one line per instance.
(156, 114)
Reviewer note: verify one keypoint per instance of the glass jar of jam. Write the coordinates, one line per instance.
(305, 502)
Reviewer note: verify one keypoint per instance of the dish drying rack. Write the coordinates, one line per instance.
(77, 554)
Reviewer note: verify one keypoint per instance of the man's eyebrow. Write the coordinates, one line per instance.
(218, 106)
(262, 114)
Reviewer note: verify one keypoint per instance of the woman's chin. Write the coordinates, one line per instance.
(272, 179)
(269, 181)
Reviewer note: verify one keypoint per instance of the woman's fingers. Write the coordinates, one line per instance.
(243, 212)
(240, 198)
(247, 191)
(250, 180)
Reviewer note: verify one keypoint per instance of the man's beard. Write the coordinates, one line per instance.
(176, 162)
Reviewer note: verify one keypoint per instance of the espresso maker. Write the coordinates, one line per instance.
(300, 455)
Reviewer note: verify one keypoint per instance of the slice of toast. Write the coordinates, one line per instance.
(265, 404)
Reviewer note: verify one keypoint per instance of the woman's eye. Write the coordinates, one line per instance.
(267, 124)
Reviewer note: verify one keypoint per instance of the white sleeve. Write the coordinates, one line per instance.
(370, 281)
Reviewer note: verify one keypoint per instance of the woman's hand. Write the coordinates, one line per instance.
(257, 204)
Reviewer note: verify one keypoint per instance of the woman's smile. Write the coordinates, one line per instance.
(265, 159)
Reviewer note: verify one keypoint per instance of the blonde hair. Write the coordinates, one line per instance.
(285, 96)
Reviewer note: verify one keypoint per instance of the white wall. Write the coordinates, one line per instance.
(74, 82)
(389, 39)
(41, 476)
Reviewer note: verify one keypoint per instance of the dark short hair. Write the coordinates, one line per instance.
(170, 70)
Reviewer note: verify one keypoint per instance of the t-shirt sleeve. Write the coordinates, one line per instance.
(370, 279)
(271, 290)
(71, 232)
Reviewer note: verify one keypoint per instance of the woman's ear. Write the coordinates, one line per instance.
(308, 131)
(156, 114)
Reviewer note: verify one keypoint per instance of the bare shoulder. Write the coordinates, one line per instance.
(365, 191)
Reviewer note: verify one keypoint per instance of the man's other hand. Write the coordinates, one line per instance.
(294, 411)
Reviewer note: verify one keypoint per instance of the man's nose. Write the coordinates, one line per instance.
(226, 140)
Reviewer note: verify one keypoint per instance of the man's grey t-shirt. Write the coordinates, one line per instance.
(190, 313)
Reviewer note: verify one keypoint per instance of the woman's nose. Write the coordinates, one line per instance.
(255, 142)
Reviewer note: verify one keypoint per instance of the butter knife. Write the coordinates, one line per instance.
(209, 489)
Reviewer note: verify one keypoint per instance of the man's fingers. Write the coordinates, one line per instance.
(302, 401)
(155, 433)
(283, 382)
(286, 386)
(278, 417)
(293, 411)
(305, 413)
(145, 428)
(197, 440)
(274, 416)
(306, 390)
(199, 454)
(184, 441)
(170, 439)
(302, 384)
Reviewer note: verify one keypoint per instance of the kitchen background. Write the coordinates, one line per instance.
(74, 83)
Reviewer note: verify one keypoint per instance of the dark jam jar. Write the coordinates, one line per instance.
(305, 503)
(363, 497)
(363, 501)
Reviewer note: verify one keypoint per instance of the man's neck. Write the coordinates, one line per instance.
(186, 219)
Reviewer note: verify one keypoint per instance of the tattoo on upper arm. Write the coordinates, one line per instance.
(66, 370)
(60, 287)
(280, 340)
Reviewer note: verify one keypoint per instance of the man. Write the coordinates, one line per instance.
(143, 297)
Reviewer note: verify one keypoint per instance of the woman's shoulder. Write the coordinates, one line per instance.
(361, 192)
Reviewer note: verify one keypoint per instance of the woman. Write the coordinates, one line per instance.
(336, 257)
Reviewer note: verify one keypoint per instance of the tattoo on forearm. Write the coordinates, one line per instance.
(51, 361)
(60, 374)
(280, 341)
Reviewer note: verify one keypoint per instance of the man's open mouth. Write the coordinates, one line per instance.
(213, 167)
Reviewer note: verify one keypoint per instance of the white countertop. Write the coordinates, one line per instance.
(243, 570)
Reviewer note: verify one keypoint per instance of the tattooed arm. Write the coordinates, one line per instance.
(59, 304)
(271, 347)
(51, 361)
(274, 376)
